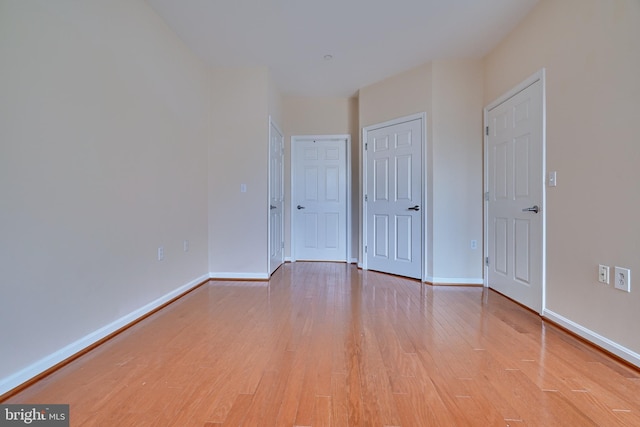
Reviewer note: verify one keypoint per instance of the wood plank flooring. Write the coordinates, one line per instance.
(324, 344)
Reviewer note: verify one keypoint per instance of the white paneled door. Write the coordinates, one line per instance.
(319, 202)
(516, 195)
(276, 198)
(393, 198)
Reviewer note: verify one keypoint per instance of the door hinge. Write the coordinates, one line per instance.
(366, 146)
(365, 249)
(282, 245)
(486, 130)
(486, 196)
(366, 198)
(486, 261)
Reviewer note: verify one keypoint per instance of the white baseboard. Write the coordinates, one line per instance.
(595, 338)
(349, 261)
(455, 280)
(9, 383)
(238, 276)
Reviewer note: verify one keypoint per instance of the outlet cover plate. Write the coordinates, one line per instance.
(622, 279)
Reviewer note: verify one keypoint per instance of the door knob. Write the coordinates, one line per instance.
(534, 209)
(272, 207)
(415, 208)
(300, 207)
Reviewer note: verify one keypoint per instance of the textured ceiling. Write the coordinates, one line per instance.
(369, 40)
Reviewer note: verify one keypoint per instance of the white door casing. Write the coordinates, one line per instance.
(393, 192)
(276, 197)
(514, 165)
(320, 195)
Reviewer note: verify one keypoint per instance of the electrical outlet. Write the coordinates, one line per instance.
(160, 253)
(185, 246)
(474, 244)
(622, 279)
(603, 274)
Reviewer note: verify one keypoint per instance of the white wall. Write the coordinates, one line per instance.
(591, 52)
(397, 96)
(276, 104)
(103, 158)
(239, 154)
(457, 88)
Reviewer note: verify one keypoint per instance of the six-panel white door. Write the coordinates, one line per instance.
(516, 186)
(394, 199)
(276, 198)
(319, 200)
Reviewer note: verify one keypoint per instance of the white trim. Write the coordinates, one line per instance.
(595, 338)
(342, 137)
(238, 276)
(349, 261)
(540, 76)
(455, 280)
(277, 128)
(363, 221)
(396, 121)
(349, 213)
(9, 383)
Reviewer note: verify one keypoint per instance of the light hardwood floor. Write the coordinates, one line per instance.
(326, 344)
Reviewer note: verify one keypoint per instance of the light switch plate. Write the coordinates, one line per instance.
(603, 274)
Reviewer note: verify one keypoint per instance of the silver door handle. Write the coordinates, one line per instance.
(272, 207)
(415, 208)
(300, 207)
(534, 209)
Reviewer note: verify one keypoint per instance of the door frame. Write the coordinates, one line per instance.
(538, 76)
(347, 143)
(272, 123)
(423, 193)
